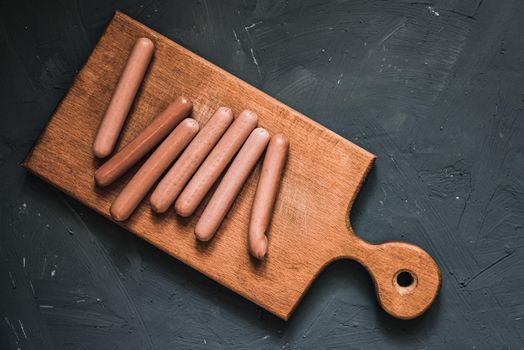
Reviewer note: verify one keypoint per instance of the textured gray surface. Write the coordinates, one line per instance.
(435, 89)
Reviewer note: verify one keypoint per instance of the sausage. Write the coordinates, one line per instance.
(177, 177)
(215, 163)
(266, 195)
(123, 97)
(127, 201)
(231, 184)
(155, 132)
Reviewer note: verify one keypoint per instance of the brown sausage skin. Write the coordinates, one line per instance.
(266, 194)
(155, 132)
(123, 97)
(231, 184)
(215, 163)
(176, 178)
(127, 201)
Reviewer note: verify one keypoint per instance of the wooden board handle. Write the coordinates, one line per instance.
(406, 278)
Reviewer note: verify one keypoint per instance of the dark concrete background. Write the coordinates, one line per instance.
(434, 88)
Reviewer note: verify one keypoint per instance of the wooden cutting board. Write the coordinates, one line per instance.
(310, 227)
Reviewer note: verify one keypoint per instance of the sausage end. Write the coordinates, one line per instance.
(156, 205)
(146, 43)
(183, 210)
(225, 110)
(203, 234)
(101, 180)
(116, 215)
(184, 101)
(101, 151)
(263, 133)
(191, 124)
(281, 139)
(258, 247)
(250, 116)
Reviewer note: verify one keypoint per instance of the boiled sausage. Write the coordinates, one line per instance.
(215, 163)
(177, 177)
(123, 97)
(127, 201)
(266, 194)
(128, 156)
(231, 184)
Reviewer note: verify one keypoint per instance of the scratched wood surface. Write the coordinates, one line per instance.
(310, 227)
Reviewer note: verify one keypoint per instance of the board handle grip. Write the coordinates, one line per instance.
(407, 279)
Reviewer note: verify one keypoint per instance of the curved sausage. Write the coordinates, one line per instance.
(176, 178)
(266, 195)
(231, 184)
(127, 201)
(162, 125)
(215, 163)
(123, 97)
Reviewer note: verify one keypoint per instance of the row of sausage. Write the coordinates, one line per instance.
(189, 160)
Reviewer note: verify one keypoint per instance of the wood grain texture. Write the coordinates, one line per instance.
(311, 225)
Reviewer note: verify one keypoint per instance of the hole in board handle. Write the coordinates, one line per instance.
(405, 281)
